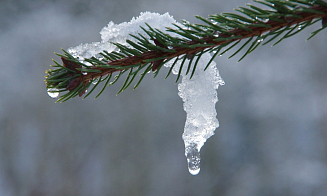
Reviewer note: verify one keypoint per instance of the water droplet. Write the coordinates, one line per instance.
(213, 22)
(264, 20)
(193, 159)
(289, 18)
(80, 58)
(52, 92)
(86, 63)
(259, 40)
(221, 82)
(299, 27)
(95, 81)
(186, 22)
(84, 73)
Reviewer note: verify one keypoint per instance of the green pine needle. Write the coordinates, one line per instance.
(219, 32)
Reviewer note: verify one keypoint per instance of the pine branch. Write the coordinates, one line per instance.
(284, 19)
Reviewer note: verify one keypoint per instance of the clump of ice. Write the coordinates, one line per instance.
(199, 93)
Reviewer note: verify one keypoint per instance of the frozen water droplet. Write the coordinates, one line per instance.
(193, 159)
(52, 92)
(84, 73)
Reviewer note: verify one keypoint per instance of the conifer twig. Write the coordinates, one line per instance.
(210, 42)
(220, 31)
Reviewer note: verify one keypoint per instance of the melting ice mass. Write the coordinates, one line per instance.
(199, 94)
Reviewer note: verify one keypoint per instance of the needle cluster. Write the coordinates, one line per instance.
(216, 34)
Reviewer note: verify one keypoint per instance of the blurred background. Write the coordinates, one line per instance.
(272, 113)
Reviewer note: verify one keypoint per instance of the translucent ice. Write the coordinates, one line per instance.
(193, 159)
(199, 93)
(200, 97)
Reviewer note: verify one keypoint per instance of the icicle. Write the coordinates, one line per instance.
(200, 97)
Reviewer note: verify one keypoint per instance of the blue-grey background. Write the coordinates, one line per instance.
(272, 113)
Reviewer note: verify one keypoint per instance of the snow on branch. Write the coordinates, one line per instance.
(199, 93)
(152, 41)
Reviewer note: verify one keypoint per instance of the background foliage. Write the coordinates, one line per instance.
(272, 112)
